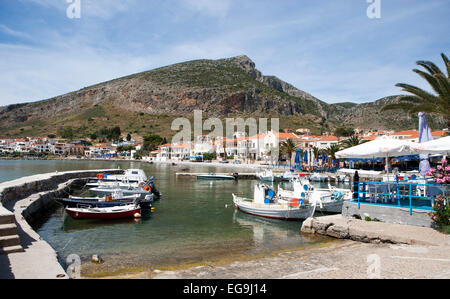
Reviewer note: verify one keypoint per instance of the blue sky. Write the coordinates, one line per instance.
(328, 48)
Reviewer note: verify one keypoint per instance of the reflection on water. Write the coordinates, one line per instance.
(194, 221)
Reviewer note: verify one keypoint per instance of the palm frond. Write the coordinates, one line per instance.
(431, 67)
(447, 64)
(431, 79)
(427, 108)
(402, 106)
(444, 84)
(417, 91)
(411, 99)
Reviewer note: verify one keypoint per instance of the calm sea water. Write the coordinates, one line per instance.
(195, 220)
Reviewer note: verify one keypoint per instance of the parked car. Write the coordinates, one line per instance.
(224, 161)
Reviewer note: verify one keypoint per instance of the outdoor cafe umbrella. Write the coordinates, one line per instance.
(382, 147)
(305, 157)
(424, 136)
(437, 146)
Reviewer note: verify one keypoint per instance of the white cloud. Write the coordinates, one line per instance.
(14, 33)
(103, 9)
(215, 8)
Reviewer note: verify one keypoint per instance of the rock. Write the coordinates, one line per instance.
(307, 226)
(96, 259)
(338, 231)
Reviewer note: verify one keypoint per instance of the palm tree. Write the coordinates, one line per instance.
(331, 152)
(288, 147)
(317, 152)
(423, 101)
(352, 141)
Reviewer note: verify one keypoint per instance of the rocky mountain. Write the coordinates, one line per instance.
(148, 101)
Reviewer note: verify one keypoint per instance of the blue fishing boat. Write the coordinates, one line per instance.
(106, 201)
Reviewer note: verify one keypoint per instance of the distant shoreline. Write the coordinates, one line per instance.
(186, 163)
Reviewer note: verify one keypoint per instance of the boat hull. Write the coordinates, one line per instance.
(331, 207)
(109, 191)
(77, 213)
(278, 212)
(208, 177)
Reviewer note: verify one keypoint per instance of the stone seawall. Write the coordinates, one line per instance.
(23, 187)
(26, 200)
(340, 227)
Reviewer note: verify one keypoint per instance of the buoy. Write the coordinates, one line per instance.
(226, 206)
(152, 209)
(137, 215)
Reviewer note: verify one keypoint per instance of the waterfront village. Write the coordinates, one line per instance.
(239, 149)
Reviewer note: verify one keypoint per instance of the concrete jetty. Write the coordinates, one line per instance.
(23, 253)
(248, 176)
(341, 227)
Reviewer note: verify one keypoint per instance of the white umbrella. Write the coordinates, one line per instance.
(382, 147)
(437, 146)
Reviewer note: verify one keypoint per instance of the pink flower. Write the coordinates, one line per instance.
(447, 168)
(439, 167)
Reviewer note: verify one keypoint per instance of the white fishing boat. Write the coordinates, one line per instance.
(130, 176)
(140, 188)
(109, 189)
(215, 176)
(266, 175)
(342, 178)
(327, 200)
(288, 176)
(266, 203)
(317, 177)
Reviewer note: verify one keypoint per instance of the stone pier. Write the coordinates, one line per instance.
(23, 253)
(341, 227)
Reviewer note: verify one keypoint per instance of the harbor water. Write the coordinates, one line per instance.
(194, 222)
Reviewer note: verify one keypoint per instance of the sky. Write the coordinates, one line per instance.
(330, 49)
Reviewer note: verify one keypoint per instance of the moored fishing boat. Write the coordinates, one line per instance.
(214, 176)
(106, 201)
(328, 200)
(107, 190)
(266, 203)
(117, 212)
(130, 176)
(266, 175)
(317, 177)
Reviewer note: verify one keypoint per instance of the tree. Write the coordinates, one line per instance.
(288, 147)
(317, 152)
(152, 141)
(66, 132)
(423, 101)
(93, 136)
(115, 133)
(331, 151)
(352, 141)
(344, 132)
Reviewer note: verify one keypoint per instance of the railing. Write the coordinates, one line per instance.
(412, 195)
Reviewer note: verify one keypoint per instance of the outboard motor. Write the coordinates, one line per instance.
(145, 203)
(154, 190)
(235, 175)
